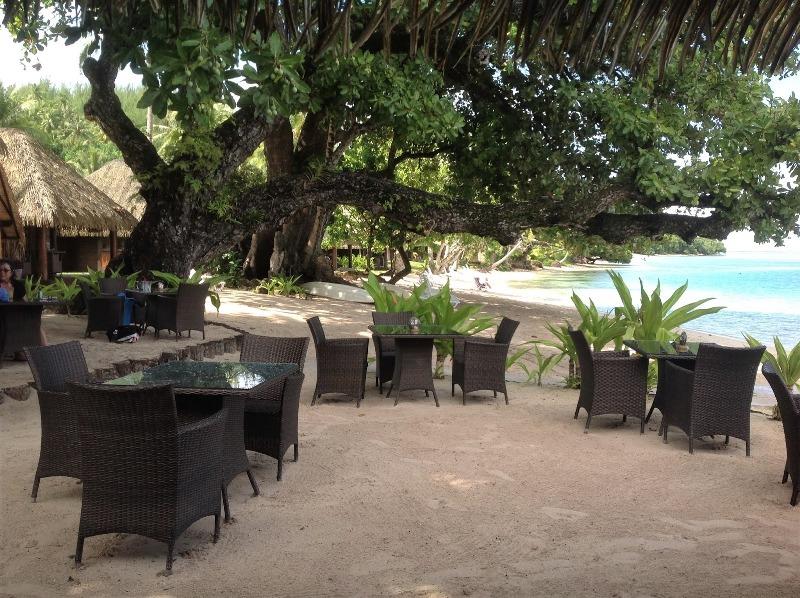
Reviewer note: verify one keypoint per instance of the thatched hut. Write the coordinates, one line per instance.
(64, 215)
(116, 180)
(12, 232)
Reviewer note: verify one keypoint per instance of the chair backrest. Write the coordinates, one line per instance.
(585, 363)
(317, 333)
(274, 349)
(396, 318)
(192, 296)
(55, 365)
(724, 376)
(128, 438)
(112, 286)
(505, 331)
(789, 417)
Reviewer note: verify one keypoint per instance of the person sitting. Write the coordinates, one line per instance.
(11, 289)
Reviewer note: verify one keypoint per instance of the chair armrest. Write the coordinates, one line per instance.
(612, 370)
(795, 398)
(611, 354)
(200, 446)
(347, 342)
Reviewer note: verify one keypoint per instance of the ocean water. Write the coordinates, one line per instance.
(760, 291)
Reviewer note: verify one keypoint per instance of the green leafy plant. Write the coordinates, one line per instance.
(359, 262)
(564, 345)
(387, 300)
(656, 319)
(32, 288)
(62, 291)
(541, 363)
(280, 284)
(92, 278)
(599, 329)
(174, 281)
(786, 363)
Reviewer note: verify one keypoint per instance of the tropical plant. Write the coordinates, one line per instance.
(656, 319)
(32, 288)
(387, 300)
(786, 363)
(541, 364)
(174, 281)
(91, 278)
(564, 345)
(280, 284)
(599, 329)
(62, 291)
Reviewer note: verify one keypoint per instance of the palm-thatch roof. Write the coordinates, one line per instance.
(116, 180)
(51, 193)
(10, 223)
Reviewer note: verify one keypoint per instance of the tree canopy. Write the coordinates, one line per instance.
(611, 117)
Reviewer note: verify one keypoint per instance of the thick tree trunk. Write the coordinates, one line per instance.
(298, 245)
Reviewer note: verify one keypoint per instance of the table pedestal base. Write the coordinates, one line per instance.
(412, 367)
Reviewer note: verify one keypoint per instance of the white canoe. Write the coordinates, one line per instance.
(337, 291)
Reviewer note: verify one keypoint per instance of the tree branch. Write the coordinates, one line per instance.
(619, 228)
(105, 109)
(238, 137)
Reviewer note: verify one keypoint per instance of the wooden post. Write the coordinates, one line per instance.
(41, 265)
(112, 239)
(335, 257)
(349, 255)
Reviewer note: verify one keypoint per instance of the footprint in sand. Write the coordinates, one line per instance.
(502, 475)
(563, 514)
(786, 564)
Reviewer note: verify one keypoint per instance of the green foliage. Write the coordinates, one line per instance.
(228, 265)
(786, 363)
(599, 330)
(32, 288)
(62, 291)
(387, 300)
(535, 365)
(174, 281)
(359, 262)
(656, 318)
(91, 278)
(674, 245)
(281, 285)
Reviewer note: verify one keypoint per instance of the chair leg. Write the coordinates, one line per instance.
(747, 448)
(624, 417)
(427, 394)
(463, 396)
(253, 483)
(664, 427)
(691, 445)
(505, 394)
(204, 334)
(296, 452)
(396, 397)
(793, 499)
(727, 439)
(170, 549)
(453, 389)
(216, 528)
(35, 490)
(314, 398)
(225, 506)
(785, 476)
(650, 413)
(577, 409)
(280, 468)
(588, 421)
(435, 398)
(495, 393)
(641, 426)
(79, 551)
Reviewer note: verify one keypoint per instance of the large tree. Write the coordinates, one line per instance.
(397, 69)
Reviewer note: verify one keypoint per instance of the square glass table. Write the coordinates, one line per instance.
(662, 351)
(413, 351)
(234, 382)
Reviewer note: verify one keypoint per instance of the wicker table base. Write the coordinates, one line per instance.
(412, 367)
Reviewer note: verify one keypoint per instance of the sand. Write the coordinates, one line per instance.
(482, 500)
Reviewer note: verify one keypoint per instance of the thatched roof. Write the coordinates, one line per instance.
(10, 222)
(50, 193)
(116, 180)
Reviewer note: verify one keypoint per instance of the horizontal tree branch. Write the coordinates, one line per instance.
(619, 228)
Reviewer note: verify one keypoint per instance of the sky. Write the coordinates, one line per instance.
(60, 65)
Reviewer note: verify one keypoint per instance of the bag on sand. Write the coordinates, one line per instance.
(124, 334)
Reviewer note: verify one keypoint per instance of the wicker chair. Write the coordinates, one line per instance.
(270, 427)
(714, 398)
(20, 327)
(113, 286)
(341, 363)
(611, 382)
(789, 407)
(142, 472)
(104, 312)
(185, 311)
(384, 347)
(480, 363)
(270, 420)
(52, 367)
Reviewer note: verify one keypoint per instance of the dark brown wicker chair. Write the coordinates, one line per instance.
(384, 347)
(113, 286)
(341, 364)
(480, 363)
(270, 426)
(104, 312)
(186, 311)
(270, 420)
(789, 407)
(52, 367)
(714, 398)
(142, 472)
(611, 382)
(20, 327)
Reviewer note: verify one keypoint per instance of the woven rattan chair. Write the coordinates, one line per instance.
(270, 420)
(384, 347)
(186, 311)
(113, 286)
(611, 382)
(142, 472)
(20, 327)
(52, 367)
(341, 364)
(480, 363)
(789, 407)
(714, 398)
(104, 312)
(270, 426)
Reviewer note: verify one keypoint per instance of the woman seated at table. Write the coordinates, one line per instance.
(12, 289)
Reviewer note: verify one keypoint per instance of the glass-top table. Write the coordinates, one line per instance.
(209, 375)
(432, 331)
